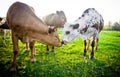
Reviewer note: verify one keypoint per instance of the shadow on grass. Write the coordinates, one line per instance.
(6, 61)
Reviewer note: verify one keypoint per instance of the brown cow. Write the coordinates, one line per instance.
(27, 27)
(56, 20)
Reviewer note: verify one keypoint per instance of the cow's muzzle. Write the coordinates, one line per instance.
(64, 42)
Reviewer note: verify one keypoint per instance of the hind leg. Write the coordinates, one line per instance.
(32, 48)
(97, 44)
(88, 45)
(15, 51)
(92, 53)
(4, 37)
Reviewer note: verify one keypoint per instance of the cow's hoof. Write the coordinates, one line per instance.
(91, 57)
(26, 50)
(96, 49)
(87, 50)
(52, 51)
(32, 61)
(13, 69)
(84, 55)
(4, 45)
(47, 52)
(34, 53)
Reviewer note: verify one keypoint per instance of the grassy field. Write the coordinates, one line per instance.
(67, 61)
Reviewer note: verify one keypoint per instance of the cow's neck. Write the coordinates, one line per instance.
(39, 26)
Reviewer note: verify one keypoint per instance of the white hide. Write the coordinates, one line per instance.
(88, 19)
(3, 21)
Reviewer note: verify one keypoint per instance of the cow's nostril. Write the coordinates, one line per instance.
(62, 42)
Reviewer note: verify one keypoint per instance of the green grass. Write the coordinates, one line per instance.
(67, 61)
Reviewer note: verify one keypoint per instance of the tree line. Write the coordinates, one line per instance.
(112, 26)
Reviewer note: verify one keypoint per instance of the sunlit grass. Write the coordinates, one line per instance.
(67, 61)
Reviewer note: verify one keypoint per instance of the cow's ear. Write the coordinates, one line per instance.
(57, 12)
(76, 26)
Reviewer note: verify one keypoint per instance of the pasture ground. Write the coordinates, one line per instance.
(67, 61)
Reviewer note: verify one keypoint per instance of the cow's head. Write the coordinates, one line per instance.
(62, 16)
(70, 32)
(52, 39)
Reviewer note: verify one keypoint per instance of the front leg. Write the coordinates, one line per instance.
(92, 53)
(15, 51)
(85, 45)
(97, 44)
(52, 48)
(27, 46)
(47, 49)
(88, 45)
(32, 49)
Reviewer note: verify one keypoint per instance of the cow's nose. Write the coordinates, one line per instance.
(62, 42)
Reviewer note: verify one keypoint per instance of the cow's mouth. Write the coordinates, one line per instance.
(64, 42)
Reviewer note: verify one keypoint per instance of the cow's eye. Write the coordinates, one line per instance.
(67, 32)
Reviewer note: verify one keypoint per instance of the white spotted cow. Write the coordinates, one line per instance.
(88, 27)
(56, 20)
(28, 28)
(3, 29)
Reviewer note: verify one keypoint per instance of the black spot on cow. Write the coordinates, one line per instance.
(67, 32)
(79, 18)
(96, 26)
(93, 8)
(86, 11)
(84, 30)
(83, 15)
(76, 26)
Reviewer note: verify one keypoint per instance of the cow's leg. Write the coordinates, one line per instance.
(88, 45)
(52, 48)
(92, 53)
(27, 46)
(34, 53)
(97, 44)
(47, 49)
(15, 51)
(85, 45)
(32, 49)
(4, 37)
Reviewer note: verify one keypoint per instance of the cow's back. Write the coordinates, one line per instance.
(57, 19)
(91, 19)
(52, 19)
(21, 17)
(18, 13)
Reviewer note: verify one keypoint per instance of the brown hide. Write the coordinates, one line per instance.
(57, 19)
(25, 24)
(27, 27)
